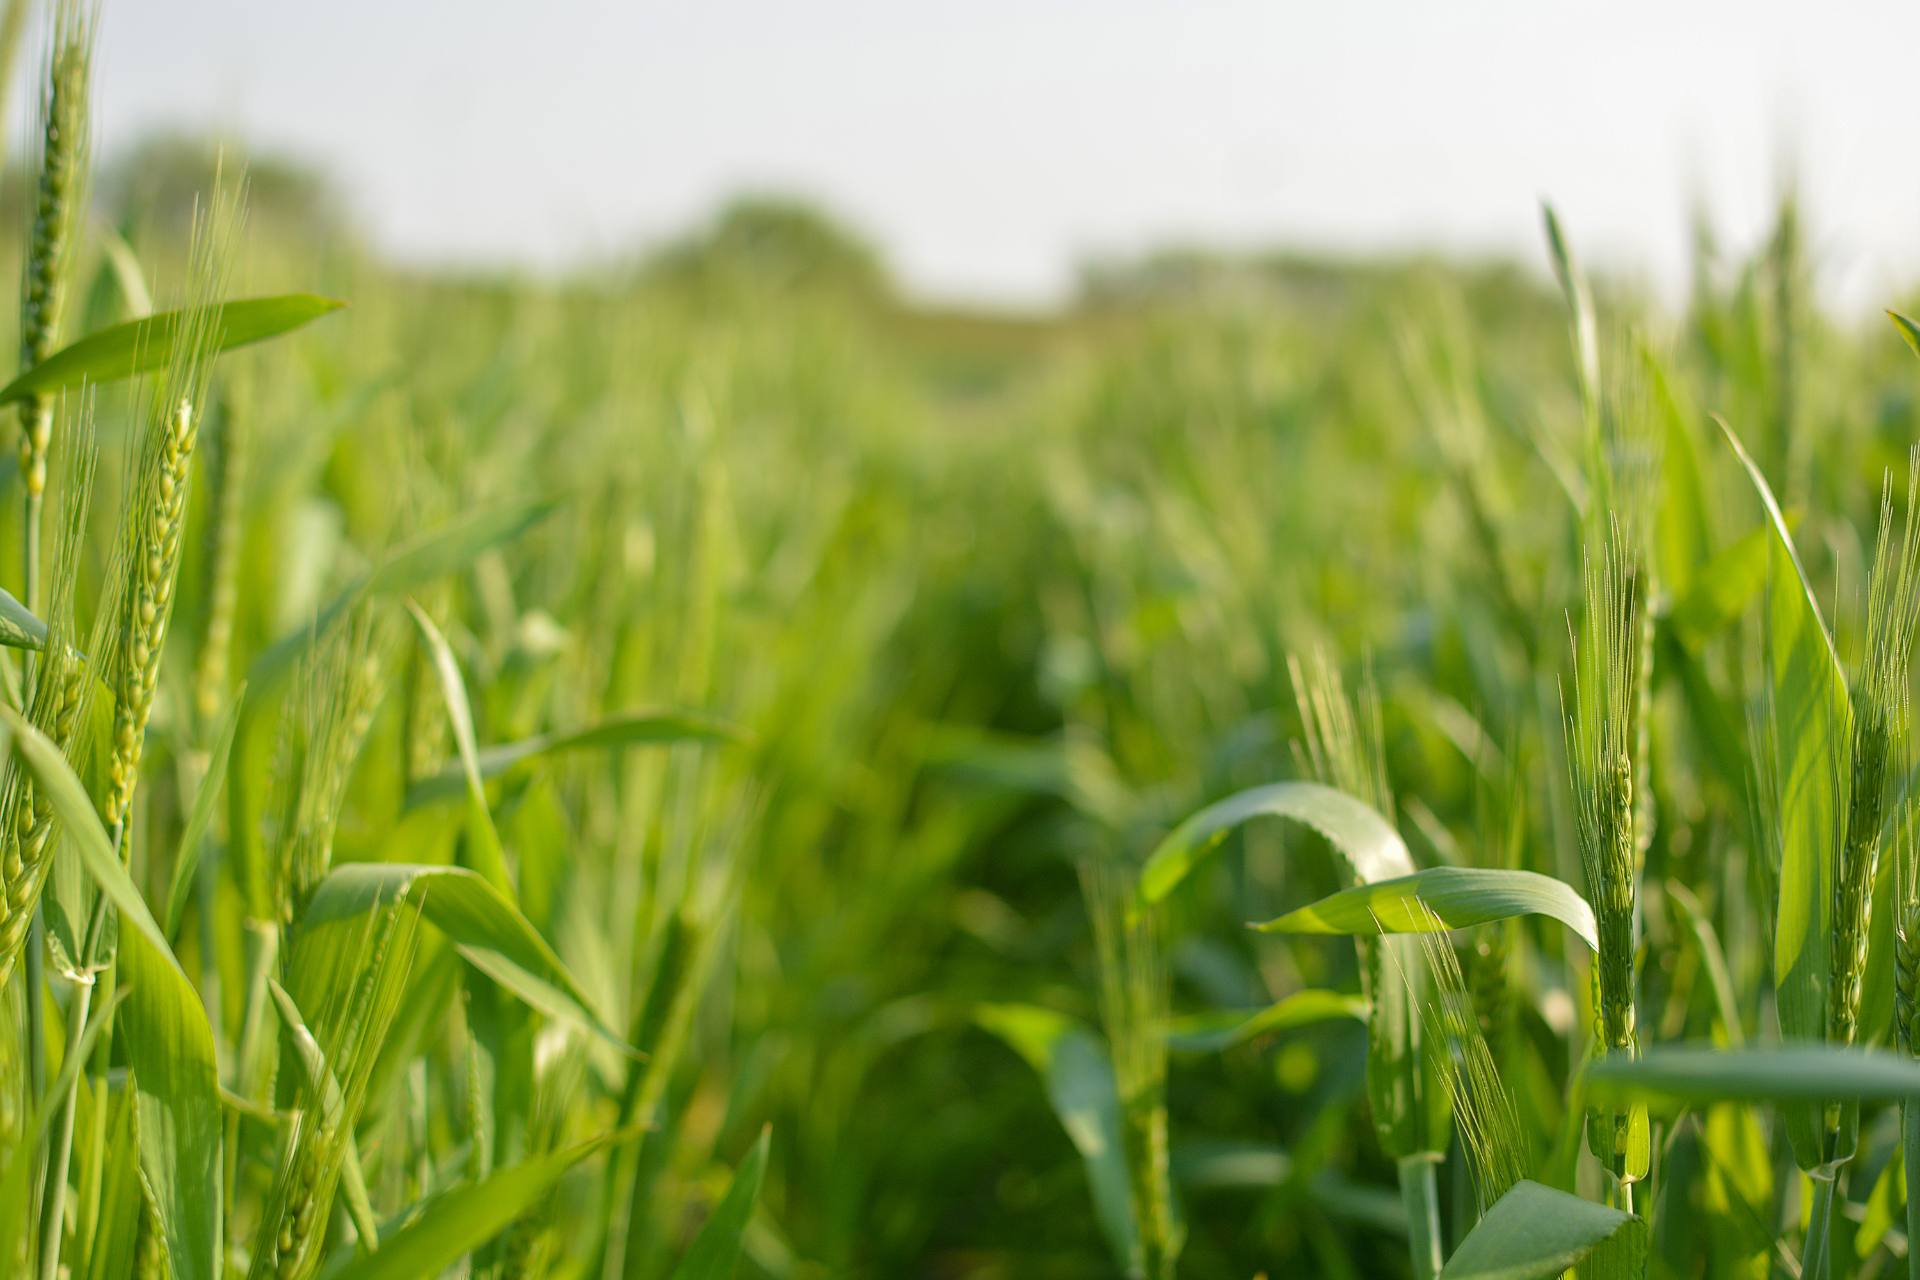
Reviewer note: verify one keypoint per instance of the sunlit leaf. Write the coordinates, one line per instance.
(140, 346)
(1810, 737)
(634, 728)
(165, 1033)
(1365, 841)
(1219, 1029)
(481, 921)
(1441, 898)
(1534, 1232)
(458, 1221)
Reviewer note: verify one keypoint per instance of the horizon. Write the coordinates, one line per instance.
(473, 137)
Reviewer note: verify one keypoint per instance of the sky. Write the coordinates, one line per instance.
(989, 147)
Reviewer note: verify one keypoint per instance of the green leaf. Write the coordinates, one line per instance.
(1534, 1232)
(20, 1161)
(1071, 768)
(169, 1045)
(481, 921)
(186, 858)
(1908, 330)
(454, 1223)
(167, 1039)
(426, 558)
(1681, 524)
(1442, 898)
(716, 1250)
(1371, 848)
(1698, 1075)
(1072, 1064)
(320, 1079)
(483, 836)
(1712, 959)
(139, 346)
(1722, 589)
(421, 561)
(1219, 1029)
(1404, 1089)
(81, 826)
(634, 728)
(19, 629)
(1573, 286)
(1238, 1165)
(1810, 736)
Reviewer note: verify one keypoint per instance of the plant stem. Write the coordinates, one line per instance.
(1420, 1194)
(53, 1207)
(1910, 1152)
(34, 971)
(1816, 1257)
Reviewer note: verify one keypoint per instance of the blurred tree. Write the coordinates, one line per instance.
(777, 242)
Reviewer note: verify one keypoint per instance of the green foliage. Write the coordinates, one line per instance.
(1442, 898)
(725, 698)
(1535, 1231)
(716, 1250)
(141, 346)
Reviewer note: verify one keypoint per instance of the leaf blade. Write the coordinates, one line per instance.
(1074, 1069)
(1696, 1075)
(1372, 849)
(1810, 732)
(460, 1220)
(715, 1252)
(1441, 898)
(1534, 1231)
(489, 930)
(168, 1041)
(140, 346)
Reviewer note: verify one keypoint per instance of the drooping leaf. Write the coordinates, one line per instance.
(1369, 845)
(1810, 735)
(1442, 898)
(1072, 768)
(480, 921)
(19, 629)
(634, 728)
(426, 558)
(421, 561)
(1205, 1165)
(456, 1222)
(1403, 1083)
(140, 346)
(1219, 1029)
(1073, 1065)
(166, 1036)
(1534, 1232)
(1699, 1075)
(1907, 328)
(716, 1250)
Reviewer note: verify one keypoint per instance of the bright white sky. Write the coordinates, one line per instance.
(988, 145)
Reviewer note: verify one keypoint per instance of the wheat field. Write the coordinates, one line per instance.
(712, 766)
